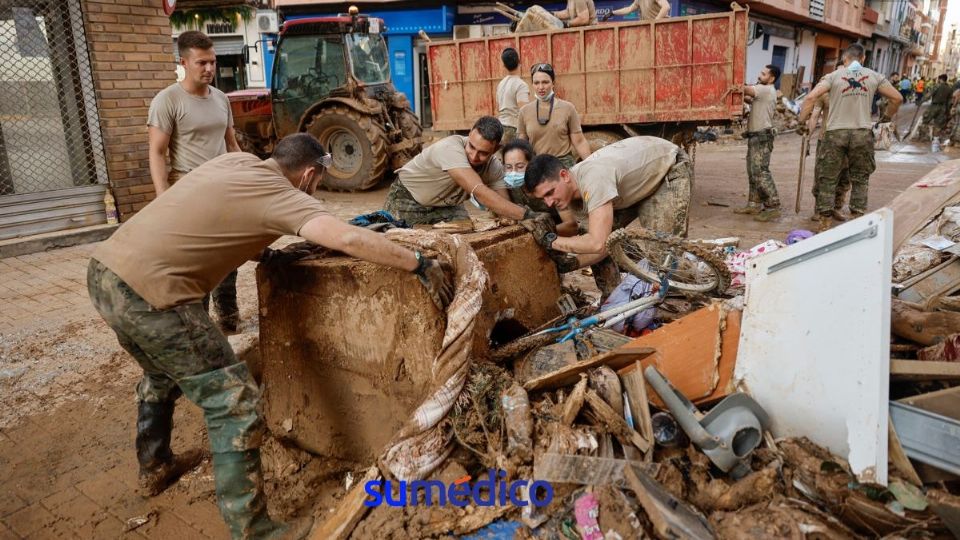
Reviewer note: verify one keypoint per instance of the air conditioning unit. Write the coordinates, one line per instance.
(267, 23)
(467, 31)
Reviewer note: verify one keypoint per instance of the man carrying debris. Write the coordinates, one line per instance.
(192, 120)
(647, 10)
(512, 94)
(820, 112)
(433, 186)
(147, 282)
(763, 202)
(640, 178)
(849, 132)
(578, 13)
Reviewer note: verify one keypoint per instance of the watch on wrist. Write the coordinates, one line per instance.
(421, 263)
(549, 239)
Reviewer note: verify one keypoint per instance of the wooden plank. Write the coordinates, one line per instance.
(697, 353)
(899, 457)
(916, 370)
(615, 423)
(927, 291)
(348, 513)
(636, 388)
(671, 517)
(919, 204)
(585, 470)
(568, 375)
(574, 402)
(923, 327)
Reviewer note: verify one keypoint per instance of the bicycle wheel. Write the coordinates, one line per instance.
(693, 268)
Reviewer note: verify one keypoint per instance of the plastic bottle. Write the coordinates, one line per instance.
(519, 423)
(935, 145)
(111, 208)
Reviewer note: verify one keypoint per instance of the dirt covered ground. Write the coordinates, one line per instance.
(67, 406)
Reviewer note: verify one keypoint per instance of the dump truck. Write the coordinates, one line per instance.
(331, 78)
(664, 77)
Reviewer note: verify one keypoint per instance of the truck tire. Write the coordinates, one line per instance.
(599, 139)
(358, 144)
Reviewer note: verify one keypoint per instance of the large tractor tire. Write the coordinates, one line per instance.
(358, 144)
(599, 139)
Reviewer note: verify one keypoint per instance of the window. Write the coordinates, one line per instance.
(368, 58)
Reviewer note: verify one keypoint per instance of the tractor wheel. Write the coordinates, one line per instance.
(599, 139)
(410, 130)
(358, 145)
(248, 145)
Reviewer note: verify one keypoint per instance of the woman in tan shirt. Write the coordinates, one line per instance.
(551, 124)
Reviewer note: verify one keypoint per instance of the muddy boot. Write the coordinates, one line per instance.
(242, 502)
(838, 215)
(225, 304)
(159, 468)
(769, 214)
(826, 223)
(751, 209)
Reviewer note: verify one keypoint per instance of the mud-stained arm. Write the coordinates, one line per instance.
(811, 100)
(595, 241)
(358, 242)
(581, 144)
(568, 223)
(664, 9)
(159, 142)
(894, 99)
(470, 181)
(634, 6)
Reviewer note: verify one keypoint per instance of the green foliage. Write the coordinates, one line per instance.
(197, 18)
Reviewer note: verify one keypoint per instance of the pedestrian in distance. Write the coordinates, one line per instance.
(763, 202)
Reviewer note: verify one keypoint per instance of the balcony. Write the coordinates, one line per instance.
(870, 15)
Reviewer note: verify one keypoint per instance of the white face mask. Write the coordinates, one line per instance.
(547, 97)
(513, 179)
(855, 66)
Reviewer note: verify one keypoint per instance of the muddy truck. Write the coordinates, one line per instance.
(331, 78)
(662, 78)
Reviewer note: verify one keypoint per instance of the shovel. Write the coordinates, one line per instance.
(728, 434)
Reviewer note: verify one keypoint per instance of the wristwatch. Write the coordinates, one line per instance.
(421, 263)
(549, 239)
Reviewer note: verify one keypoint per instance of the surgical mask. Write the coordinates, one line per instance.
(513, 179)
(855, 66)
(546, 98)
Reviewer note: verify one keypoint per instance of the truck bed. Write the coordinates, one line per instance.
(672, 70)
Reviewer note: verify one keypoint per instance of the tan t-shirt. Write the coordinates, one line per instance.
(553, 138)
(220, 215)
(196, 125)
(427, 176)
(625, 172)
(763, 108)
(511, 90)
(851, 96)
(576, 6)
(647, 9)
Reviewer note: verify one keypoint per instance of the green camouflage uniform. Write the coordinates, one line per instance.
(843, 182)
(847, 151)
(666, 210)
(401, 204)
(763, 190)
(938, 113)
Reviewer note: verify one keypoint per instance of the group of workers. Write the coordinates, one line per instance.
(584, 12)
(219, 207)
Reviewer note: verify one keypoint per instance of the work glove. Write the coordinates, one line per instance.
(541, 226)
(290, 254)
(434, 279)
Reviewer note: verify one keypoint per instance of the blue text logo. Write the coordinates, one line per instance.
(494, 490)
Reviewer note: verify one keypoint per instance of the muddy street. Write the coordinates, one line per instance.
(67, 404)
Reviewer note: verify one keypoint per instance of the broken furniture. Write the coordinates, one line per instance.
(344, 393)
(728, 434)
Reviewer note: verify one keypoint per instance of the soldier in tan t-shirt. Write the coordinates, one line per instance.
(512, 94)
(644, 178)
(147, 282)
(762, 201)
(647, 10)
(433, 186)
(551, 124)
(578, 13)
(192, 121)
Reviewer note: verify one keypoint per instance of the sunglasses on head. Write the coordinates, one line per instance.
(546, 68)
(326, 160)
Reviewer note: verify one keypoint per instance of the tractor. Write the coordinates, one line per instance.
(331, 78)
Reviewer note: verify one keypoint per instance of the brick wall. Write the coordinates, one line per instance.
(131, 52)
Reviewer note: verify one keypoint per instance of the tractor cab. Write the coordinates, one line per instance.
(326, 57)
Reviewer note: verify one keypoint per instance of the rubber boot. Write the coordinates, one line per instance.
(826, 223)
(243, 504)
(159, 468)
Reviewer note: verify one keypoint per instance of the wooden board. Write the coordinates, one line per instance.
(571, 374)
(918, 205)
(348, 513)
(694, 354)
(916, 370)
(945, 402)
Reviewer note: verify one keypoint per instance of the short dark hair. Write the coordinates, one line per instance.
(298, 151)
(854, 51)
(543, 167)
(490, 128)
(193, 40)
(775, 71)
(510, 58)
(522, 145)
(943, 77)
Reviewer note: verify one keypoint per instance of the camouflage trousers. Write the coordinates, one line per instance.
(666, 210)
(850, 150)
(401, 204)
(509, 134)
(937, 116)
(763, 190)
(182, 352)
(843, 181)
